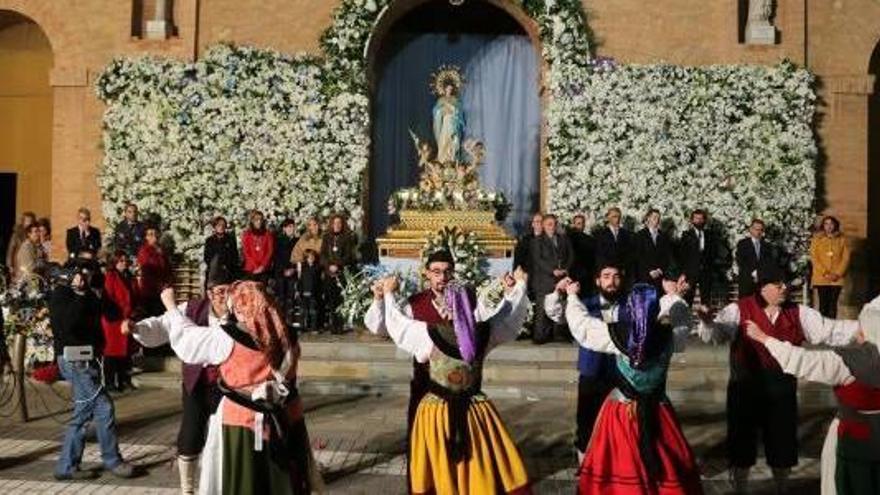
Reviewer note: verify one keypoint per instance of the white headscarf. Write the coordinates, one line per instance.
(869, 319)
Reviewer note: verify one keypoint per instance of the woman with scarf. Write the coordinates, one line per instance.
(458, 442)
(637, 446)
(851, 454)
(257, 439)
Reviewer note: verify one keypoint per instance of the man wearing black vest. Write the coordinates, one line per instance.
(595, 369)
(200, 394)
(761, 399)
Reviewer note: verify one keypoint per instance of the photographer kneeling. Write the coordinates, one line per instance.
(74, 313)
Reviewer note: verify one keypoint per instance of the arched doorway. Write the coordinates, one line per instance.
(25, 120)
(497, 50)
(874, 174)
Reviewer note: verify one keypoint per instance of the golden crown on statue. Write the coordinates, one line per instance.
(446, 75)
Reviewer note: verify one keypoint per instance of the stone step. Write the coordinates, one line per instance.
(348, 349)
(709, 397)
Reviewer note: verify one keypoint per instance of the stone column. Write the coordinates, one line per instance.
(759, 31)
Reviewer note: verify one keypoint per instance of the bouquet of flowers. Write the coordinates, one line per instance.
(471, 265)
(26, 313)
(357, 295)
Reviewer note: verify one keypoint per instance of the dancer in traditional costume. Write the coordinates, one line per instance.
(200, 395)
(851, 454)
(761, 398)
(458, 443)
(595, 369)
(637, 446)
(257, 441)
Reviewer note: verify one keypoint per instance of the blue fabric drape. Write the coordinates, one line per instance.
(501, 104)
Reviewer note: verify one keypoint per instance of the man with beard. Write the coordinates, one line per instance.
(583, 251)
(200, 394)
(595, 369)
(697, 252)
(428, 306)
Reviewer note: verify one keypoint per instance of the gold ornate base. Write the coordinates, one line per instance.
(406, 239)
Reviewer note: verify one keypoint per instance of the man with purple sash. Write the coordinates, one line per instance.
(200, 394)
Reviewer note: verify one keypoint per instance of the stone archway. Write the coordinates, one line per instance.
(874, 174)
(26, 114)
(400, 13)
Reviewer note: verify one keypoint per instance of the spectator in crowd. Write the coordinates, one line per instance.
(18, 235)
(521, 256)
(583, 249)
(129, 234)
(83, 236)
(653, 252)
(338, 252)
(116, 309)
(311, 292)
(550, 260)
(311, 239)
(154, 273)
(221, 245)
(829, 255)
(750, 253)
(75, 317)
(29, 260)
(697, 254)
(257, 248)
(283, 268)
(45, 227)
(614, 243)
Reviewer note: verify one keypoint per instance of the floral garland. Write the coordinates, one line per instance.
(416, 199)
(471, 265)
(246, 128)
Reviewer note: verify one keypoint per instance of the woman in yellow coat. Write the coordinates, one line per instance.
(829, 254)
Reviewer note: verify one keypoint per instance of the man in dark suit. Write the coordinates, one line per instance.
(697, 253)
(583, 252)
(614, 243)
(130, 232)
(551, 259)
(750, 252)
(82, 236)
(653, 251)
(521, 258)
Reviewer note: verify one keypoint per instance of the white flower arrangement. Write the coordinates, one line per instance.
(471, 264)
(251, 128)
(736, 140)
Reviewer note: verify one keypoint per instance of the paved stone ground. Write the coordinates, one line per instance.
(358, 440)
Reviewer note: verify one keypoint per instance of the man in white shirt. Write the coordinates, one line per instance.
(761, 398)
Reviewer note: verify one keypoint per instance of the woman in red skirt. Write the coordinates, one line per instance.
(637, 446)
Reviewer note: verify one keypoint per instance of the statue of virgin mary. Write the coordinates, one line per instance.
(448, 114)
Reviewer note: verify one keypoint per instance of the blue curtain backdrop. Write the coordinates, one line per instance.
(501, 105)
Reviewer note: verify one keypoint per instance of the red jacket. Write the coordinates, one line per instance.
(155, 271)
(257, 248)
(117, 307)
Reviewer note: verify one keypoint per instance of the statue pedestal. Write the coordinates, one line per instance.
(406, 239)
(760, 34)
(158, 30)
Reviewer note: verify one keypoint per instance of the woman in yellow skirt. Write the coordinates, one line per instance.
(459, 445)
